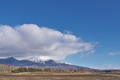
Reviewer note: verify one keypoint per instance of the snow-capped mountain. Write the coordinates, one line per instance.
(39, 64)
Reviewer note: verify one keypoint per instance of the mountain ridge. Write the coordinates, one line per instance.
(45, 64)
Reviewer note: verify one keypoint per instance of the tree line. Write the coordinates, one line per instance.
(26, 70)
(22, 69)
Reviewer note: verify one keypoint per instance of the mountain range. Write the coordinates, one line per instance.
(40, 64)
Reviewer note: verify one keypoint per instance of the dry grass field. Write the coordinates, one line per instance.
(54, 74)
(58, 76)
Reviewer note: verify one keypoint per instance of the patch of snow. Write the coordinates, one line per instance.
(43, 61)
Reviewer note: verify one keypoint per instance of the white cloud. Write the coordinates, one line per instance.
(82, 56)
(29, 41)
(112, 54)
(67, 32)
(90, 52)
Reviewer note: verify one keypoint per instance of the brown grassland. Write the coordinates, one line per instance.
(8, 72)
(59, 76)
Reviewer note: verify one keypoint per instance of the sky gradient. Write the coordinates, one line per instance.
(95, 22)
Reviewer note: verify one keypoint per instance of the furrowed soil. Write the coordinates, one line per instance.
(59, 76)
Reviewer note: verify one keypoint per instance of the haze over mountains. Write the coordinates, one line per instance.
(39, 64)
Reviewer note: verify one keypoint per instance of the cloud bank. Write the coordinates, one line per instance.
(29, 41)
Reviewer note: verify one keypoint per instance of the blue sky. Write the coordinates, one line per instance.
(96, 21)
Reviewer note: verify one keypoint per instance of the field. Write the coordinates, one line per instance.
(59, 76)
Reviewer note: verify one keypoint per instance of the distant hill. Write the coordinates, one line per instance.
(7, 68)
(39, 64)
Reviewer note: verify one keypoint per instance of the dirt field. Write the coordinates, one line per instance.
(58, 76)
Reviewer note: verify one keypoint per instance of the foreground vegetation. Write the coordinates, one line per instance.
(19, 73)
(22, 69)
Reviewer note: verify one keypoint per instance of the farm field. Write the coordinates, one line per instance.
(59, 76)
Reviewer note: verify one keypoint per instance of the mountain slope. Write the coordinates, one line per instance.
(39, 64)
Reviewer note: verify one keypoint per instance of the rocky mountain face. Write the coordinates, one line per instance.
(39, 64)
